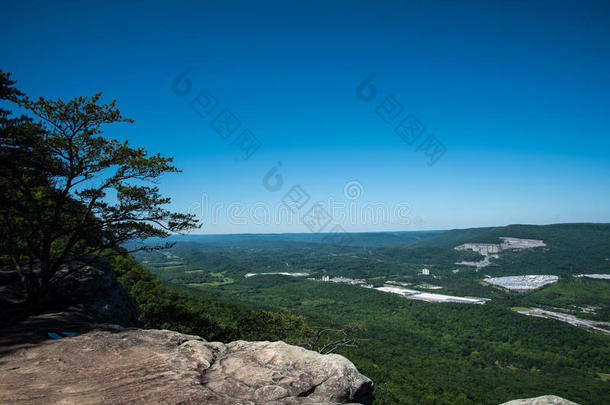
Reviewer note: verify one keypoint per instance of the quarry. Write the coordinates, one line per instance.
(528, 282)
(492, 250)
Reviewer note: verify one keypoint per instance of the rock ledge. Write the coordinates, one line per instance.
(111, 364)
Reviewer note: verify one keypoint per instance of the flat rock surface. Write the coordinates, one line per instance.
(113, 365)
(543, 400)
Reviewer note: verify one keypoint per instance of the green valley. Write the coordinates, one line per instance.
(417, 351)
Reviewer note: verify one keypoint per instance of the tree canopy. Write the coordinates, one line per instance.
(70, 193)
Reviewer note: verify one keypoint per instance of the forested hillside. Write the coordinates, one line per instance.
(421, 352)
(426, 352)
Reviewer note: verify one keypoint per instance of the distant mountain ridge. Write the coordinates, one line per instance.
(368, 239)
(556, 233)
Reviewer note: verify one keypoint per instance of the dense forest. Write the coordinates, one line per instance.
(162, 307)
(421, 352)
(445, 353)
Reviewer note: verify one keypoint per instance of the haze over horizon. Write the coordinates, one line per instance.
(516, 94)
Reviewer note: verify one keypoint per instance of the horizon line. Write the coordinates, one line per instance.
(393, 231)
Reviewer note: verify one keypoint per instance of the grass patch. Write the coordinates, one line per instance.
(520, 309)
(225, 281)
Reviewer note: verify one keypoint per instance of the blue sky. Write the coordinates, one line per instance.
(516, 92)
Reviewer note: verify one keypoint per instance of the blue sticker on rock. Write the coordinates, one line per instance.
(61, 335)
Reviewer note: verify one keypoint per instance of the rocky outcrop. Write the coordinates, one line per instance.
(94, 291)
(110, 364)
(543, 400)
(76, 354)
(90, 290)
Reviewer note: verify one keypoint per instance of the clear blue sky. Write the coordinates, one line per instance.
(517, 92)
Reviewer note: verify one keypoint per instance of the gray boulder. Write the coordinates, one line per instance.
(543, 400)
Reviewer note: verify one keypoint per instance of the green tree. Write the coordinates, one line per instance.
(69, 193)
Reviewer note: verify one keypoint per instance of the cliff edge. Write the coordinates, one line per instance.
(78, 355)
(111, 364)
